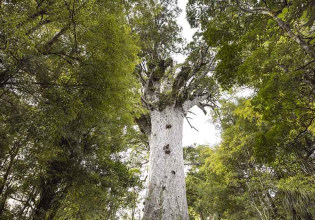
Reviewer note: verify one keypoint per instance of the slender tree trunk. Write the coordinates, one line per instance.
(4, 186)
(46, 200)
(201, 216)
(166, 191)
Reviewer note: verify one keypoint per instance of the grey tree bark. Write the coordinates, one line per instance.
(166, 191)
(168, 93)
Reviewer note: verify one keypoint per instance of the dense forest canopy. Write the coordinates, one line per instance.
(67, 99)
(264, 167)
(77, 76)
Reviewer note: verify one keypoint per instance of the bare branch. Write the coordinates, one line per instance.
(305, 130)
(302, 67)
(202, 107)
(191, 112)
(190, 124)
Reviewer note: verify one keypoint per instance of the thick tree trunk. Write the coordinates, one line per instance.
(166, 191)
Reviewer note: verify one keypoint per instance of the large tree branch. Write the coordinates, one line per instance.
(283, 25)
(33, 16)
(49, 44)
(152, 85)
(201, 61)
(180, 79)
(188, 79)
(40, 24)
(188, 104)
(196, 79)
(139, 69)
(144, 123)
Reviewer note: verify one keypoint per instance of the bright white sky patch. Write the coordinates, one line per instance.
(187, 31)
(207, 133)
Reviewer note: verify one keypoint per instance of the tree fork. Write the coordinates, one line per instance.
(168, 92)
(169, 100)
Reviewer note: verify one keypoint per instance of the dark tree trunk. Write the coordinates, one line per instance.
(47, 199)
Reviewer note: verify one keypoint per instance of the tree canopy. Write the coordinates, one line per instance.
(264, 167)
(76, 75)
(67, 99)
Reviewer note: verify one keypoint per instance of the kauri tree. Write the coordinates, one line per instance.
(169, 90)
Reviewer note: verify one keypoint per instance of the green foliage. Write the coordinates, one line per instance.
(67, 97)
(245, 35)
(266, 159)
(256, 173)
(159, 34)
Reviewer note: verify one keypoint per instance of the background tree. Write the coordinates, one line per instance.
(242, 179)
(267, 46)
(66, 96)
